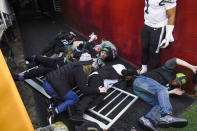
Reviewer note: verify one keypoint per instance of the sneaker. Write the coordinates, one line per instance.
(30, 58)
(171, 121)
(51, 114)
(77, 119)
(144, 69)
(75, 115)
(146, 123)
(71, 110)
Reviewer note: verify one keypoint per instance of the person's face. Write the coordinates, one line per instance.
(128, 78)
(97, 49)
(103, 54)
(175, 82)
(71, 37)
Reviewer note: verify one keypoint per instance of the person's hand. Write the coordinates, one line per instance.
(102, 89)
(177, 91)
(138, 71)
(169, 37)
(165, 42)
(194, 69)
(59, 54)
(92, 37)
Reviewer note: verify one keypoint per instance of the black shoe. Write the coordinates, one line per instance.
(77, 119)
(146, 123)
(171, 121)
(30, 58)
(51, 114)
(71, 109)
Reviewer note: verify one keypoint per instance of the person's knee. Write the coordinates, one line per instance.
(76, 99)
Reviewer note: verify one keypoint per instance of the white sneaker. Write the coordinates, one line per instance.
(144, 69)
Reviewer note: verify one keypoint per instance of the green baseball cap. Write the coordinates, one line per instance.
(181, 78)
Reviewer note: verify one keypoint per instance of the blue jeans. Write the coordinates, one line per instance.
(155, 94)
(68, 99)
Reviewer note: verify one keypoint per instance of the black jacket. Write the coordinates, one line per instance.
(68, 76)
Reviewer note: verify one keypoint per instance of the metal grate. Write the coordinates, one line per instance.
(116, 102)
(57, 5)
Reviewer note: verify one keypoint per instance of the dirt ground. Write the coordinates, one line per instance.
(16, 65)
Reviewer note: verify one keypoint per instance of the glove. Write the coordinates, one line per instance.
(93, 36)
(169, 37)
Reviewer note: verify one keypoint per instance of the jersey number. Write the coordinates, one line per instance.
(147, 5)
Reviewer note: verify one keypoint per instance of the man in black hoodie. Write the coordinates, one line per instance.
(106, 76)
(59, 84)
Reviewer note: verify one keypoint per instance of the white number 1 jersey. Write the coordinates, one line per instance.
(155, 13)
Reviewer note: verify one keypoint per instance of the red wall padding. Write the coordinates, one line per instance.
(121, 21)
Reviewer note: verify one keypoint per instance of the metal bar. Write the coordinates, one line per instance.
(100, 115)
(116, 106)
(77, 91)
(109, 103)
(121, 113)
(2, 16)
(109, 94)
(37, 87)
(123, 91)
(105, 97)
(101, 124)
(39, 79)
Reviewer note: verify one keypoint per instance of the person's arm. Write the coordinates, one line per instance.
(173, 62)
(80, 79)
(186, 64)
(171, 13)
(177, 91)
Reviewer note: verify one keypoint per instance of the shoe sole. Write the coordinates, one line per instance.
(146, 127)
(69, 112)
(174, 124)
(78, 122)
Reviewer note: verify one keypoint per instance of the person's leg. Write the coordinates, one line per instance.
(69, 98)
(76, 111)
(49, 90)
(37, 72)
(155, 39)
(145, 87)
(47, 62)
(153, 93)
(145, 39)
(150, 120)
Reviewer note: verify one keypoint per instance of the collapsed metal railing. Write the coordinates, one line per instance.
(57, 4)
(116, 103)
(6, 20)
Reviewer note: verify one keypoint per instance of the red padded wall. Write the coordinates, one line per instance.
(121, 21)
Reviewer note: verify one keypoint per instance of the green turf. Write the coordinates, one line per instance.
(191, 116)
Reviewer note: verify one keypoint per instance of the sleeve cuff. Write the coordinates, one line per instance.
(170, 5)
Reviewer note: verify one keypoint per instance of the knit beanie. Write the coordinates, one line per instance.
(85, 57)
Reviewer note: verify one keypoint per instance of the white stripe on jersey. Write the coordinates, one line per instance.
(155, 15)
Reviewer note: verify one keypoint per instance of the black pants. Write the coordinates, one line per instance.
(151, 37)
(46, 65)
(88, 100)
(49, 62)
